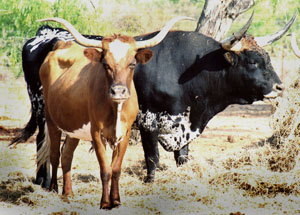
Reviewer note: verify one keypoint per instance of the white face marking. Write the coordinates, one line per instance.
(83, 133)
(118, 49)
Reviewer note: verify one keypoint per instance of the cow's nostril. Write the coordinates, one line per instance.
(124, 91)
(113, 92)
(279, 87)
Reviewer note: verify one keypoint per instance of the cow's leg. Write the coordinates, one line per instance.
(117, 159)
(35, 93)
(43, 174)
(150, 146)
(105, 169)
(37, 119)
(55, 135)
(181, 156)
(66, 163)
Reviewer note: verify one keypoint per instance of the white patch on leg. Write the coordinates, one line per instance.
(83, 133)
(118, 49)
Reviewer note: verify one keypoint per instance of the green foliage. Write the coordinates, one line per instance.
(18, 21)
(132, 17)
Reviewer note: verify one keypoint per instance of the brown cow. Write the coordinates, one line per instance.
(89, 94)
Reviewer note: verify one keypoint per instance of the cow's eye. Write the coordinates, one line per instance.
(253, 64)
(106, 66)
(131, 66)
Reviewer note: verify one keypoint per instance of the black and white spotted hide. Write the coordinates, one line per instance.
(174, 130)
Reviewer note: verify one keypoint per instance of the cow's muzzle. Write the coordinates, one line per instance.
(119, 93)
(277, 91)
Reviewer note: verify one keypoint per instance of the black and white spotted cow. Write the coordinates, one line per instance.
(190, 79)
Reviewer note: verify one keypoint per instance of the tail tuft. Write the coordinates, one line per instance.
(26, 132)
(43, 154)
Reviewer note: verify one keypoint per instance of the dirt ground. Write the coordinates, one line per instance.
(231, 170)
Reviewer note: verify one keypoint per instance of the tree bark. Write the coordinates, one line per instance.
(218, 15)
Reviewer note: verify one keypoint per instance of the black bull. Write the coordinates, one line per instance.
(189, 80)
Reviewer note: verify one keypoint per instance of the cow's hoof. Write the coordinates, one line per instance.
(149, 179)
(68, 193)
(182, 160)
(43, 182)
(105, 206)
(46, 184)
(53, 188)
(38, 181)
(116, 203)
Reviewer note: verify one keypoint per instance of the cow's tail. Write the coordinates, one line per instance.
(26, 132)
(43, 154)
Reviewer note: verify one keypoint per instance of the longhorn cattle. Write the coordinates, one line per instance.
(191, 78)
(89, 94)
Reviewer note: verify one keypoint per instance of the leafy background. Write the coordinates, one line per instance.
(18, 20)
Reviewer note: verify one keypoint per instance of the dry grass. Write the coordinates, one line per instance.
(240, 175)
(286, 119)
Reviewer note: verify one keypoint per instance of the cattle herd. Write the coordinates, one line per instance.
(170, 84)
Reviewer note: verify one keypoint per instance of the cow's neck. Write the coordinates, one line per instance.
(220, 96)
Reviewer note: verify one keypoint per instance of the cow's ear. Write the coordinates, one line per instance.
(143, 56)
(92, 54)
(230, 58)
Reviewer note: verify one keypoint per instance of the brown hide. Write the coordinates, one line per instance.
(76, 91)
(76, 87)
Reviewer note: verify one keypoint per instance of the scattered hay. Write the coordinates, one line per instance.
(286, 125)
(253, 185)
(286, 118)
(282, 159)
(15, 189)
(86, 178)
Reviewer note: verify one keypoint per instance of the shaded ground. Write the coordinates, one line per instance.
(228, 172)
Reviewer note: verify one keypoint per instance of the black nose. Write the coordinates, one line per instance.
(278, 87)
(119, 93)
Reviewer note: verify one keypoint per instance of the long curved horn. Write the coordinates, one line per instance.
(269, 39)
(161, 35)
(295, 46)
(78, 37)
(231, 41)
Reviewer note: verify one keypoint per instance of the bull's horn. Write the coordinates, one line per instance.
(294, 45)
(161, 35)
(269, 39)
(77, 36)
(232, 43)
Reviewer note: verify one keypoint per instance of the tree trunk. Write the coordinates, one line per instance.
(218, 15)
